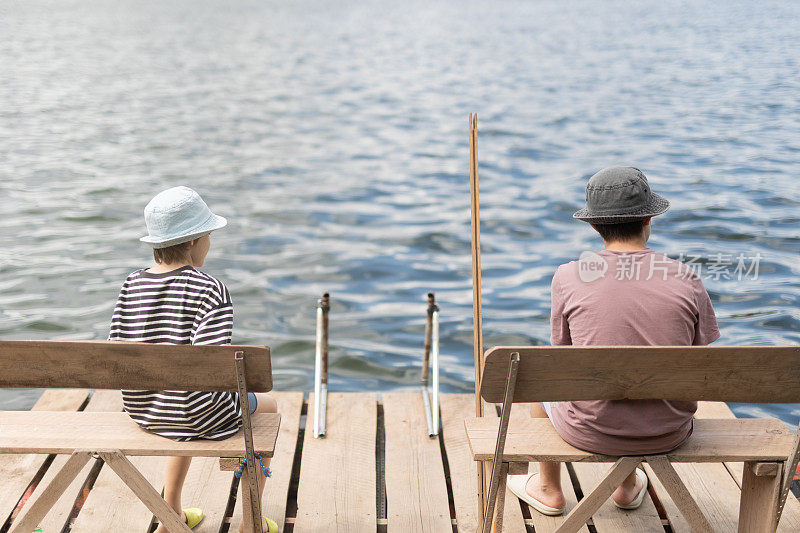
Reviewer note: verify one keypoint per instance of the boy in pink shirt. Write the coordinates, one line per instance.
(624, 295)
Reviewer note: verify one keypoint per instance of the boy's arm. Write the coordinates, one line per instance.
(559, 327)
(113, 330)
(706, 330)
(216, 325)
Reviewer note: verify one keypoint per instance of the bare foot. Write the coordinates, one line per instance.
(547, 494)
(627, 492)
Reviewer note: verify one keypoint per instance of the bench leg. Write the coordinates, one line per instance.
(145, 491)
(500, 506)
(500, 468)
(249, 482)
(247, 504)
(33, 514)
(680, 494)
(759, 504)
(789, 468)
(592, 502)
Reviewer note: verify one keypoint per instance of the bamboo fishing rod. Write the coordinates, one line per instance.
(477, 317)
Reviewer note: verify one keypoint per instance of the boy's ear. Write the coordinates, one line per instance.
(646, 222)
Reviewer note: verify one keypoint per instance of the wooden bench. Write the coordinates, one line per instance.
(114, 436)
(753, 374)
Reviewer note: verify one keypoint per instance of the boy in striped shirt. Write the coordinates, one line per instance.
(173, 302)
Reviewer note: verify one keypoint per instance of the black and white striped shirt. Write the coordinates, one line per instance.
(184, 306)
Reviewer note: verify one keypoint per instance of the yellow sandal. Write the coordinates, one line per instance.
(193, 516)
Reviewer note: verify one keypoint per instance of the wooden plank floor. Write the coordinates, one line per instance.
(58, 516)
(716, 488)
(339, 482)
(18, 471)
(290, 406)
(337, 490)
(416, 492)
(463, 470)
(540, 522)
(111, 505)
(609, 518)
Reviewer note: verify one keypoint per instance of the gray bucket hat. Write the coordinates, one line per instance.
(178, 215)
(620, 194)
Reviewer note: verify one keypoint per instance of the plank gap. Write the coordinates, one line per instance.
(294, 480)
(225, 526)
(83, 494)
(304, 409)
(154, 522)
(737, 477)
(86, 400)
(380, 465)
(526, 511)
(660, 509)
(447, 479)
(573, 478)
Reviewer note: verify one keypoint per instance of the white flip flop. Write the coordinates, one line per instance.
(517, 485)
(637, 501)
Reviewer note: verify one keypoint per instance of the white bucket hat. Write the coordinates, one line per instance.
(178, 215)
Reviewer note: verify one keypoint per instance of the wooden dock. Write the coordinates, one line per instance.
(376, 470)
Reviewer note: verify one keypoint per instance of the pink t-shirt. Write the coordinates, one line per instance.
(638, 298)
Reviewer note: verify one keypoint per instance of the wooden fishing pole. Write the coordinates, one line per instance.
(477, 317)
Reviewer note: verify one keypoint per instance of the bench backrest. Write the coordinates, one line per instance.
(131, 365)
(756, 374)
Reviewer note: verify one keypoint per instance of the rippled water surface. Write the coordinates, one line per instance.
(333, 137)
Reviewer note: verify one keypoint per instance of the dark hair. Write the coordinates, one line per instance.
(172, 254)
(624, 231)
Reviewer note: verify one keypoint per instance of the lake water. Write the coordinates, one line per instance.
(333, 137)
